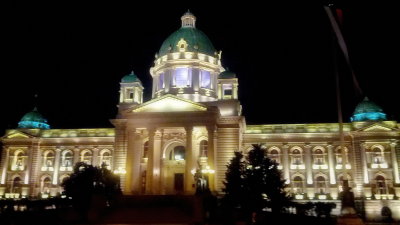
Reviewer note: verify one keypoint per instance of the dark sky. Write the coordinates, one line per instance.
(74, 55)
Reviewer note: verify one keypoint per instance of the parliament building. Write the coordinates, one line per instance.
(194, 121)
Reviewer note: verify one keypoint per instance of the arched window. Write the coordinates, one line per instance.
(145, 149)
(377, 156)
(320, 184)
(66, 159)
(203, 148)
(45, 185)
(16, 185)
(274, 155)
(178, 153)
(319, 158)
(86, 157)
(339, 156)
(18, 161)
(344, 178)
(48, 161)
(105, 159)
(298, 185)
(381, 186)
(297, 158)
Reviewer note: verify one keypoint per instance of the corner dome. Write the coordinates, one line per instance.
(194, 39)
(130, 78)
(227, 75)
(367, 111)
(33, 120)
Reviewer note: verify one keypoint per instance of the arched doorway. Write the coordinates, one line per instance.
(173, 177)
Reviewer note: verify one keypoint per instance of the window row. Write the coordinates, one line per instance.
(18, 161)
(183, 77)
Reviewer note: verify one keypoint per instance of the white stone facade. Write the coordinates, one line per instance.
(195, 122)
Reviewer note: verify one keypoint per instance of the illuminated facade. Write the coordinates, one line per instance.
(194, 121)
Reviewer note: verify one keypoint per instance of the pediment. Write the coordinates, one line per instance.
(169, 103)
(377, 127)
(16, 134)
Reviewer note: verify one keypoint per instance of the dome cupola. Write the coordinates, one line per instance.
(187, 64)
(33, 120)
(131, 90)
(367, 111)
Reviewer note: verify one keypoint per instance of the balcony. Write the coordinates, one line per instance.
(384, 196)
(340, 166)
(47, 168)
(382, 165)
(297, 167)
(320, 167)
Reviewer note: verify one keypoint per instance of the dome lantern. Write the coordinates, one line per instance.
(188, 20)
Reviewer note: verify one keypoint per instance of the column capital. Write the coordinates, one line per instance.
(151, 130)
(58, 150)
(393, 143)
(189, 128)
(307, 146)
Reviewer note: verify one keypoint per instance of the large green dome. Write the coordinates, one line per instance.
(33, 120)
(195, 39)
(368, 110)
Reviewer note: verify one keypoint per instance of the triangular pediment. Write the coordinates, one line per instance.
(377, 127)
(16, 134)
(169, 103)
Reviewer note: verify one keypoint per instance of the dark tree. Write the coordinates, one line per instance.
(263, 182)
(234, 185)
(87, 183)
(254, 183)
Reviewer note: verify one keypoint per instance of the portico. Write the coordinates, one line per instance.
(163, 146)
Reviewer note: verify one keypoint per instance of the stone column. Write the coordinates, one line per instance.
(76, 155)
(219, 90)
(235, 91)
(364, 163)
(157, 164)
(286, 171)
(32, 170)
(332, 175)
(137, 156)
(150, 161)
(129, 162)
(196, 79)
(95, 160)
(307, 149)
(395, 165)
(5, 158)
(211, 155)
(189, 162)
(56, 166)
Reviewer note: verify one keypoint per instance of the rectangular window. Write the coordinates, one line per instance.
(182, 77)
(161, 82)
(205, 79)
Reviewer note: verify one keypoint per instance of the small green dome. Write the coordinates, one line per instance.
(368, 110)
(130, 78)
(195, 39)
(227, 75)
(33, 120)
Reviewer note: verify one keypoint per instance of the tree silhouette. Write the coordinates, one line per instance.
(255, 183)
(88, 181)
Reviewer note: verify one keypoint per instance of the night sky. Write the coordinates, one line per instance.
(74, 55)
